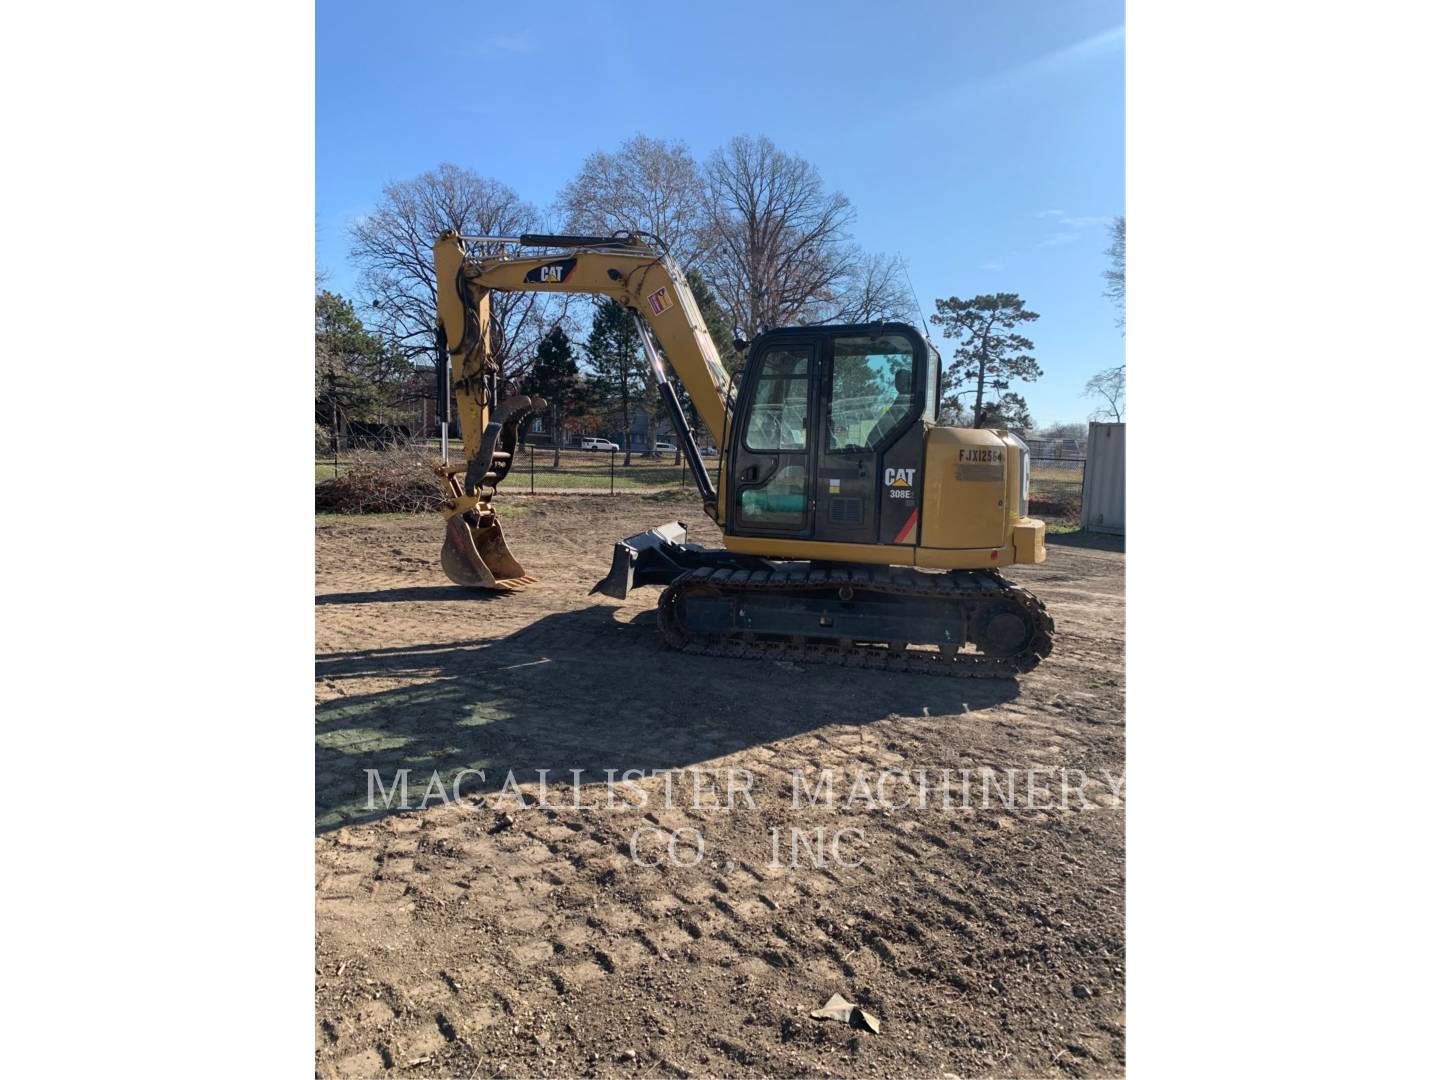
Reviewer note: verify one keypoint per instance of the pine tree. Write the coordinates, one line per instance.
(991, 354)
(358, 377)
(556, 377)
(722, 330)
(613, 352)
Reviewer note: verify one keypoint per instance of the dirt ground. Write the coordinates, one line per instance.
(479, 937)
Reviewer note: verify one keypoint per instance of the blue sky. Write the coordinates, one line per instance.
(983, 141)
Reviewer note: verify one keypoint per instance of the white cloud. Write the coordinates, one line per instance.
(1070, 63)
(1067, 57)
(992, 266)
(1071, 224)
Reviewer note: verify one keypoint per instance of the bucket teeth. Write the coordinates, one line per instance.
(476, 555)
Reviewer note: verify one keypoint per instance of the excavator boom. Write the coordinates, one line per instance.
(642, 280)
(639, 276)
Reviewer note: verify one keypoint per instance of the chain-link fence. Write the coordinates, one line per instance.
(1057, 479)
(540, 469)
(1057, 485)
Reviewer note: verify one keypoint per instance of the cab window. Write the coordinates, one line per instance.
(872, 390)
(779, 503)
(779, 414)
(932, 383)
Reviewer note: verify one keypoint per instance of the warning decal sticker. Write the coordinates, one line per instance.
(660, 301)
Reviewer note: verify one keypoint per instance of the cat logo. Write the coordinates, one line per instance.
(555, 273)
(900, 482)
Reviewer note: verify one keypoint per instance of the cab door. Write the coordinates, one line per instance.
(772, 470)
(872, 397)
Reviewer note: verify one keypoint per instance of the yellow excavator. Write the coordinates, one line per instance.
(857, 529)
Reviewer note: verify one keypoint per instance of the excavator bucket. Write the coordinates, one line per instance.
(476, 555)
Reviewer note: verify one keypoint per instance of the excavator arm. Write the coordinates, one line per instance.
(640, 277)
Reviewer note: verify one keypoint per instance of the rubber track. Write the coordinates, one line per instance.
(896, 581)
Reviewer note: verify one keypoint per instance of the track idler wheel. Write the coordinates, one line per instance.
(476, 555)
(1003, 631)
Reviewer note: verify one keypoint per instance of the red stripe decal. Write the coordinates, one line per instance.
(903, 536)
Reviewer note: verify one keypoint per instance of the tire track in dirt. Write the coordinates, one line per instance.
(465, 938)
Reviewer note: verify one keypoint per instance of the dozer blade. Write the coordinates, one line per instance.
(658, 556)
(646, 558)
(477, 556)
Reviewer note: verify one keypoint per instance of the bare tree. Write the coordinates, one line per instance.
(1072, 430)
(648, 185)
(1115, 276)
(874, 291)
(1109, 387)
(392, 248)
(779, 251)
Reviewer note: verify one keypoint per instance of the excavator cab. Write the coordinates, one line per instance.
(828, 441)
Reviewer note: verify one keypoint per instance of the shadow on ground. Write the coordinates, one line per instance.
(1082, 538)
(577, 690)
(411, 592)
